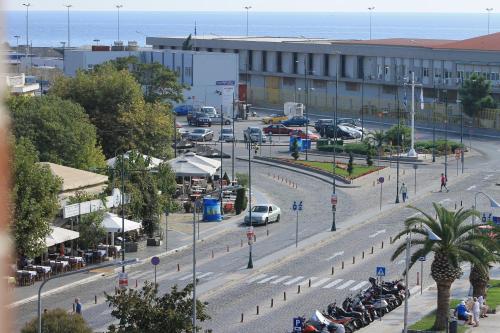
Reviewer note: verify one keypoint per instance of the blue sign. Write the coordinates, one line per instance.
(300, 205)
(297, 324)
(224, 83)
(380, 271)
(381, 180)
(294, 206)
(496, 220)
(155, 261)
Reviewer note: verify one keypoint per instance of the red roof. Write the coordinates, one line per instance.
(482, 43)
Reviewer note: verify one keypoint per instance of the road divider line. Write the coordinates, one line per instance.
(337, 254)
(204, 275)
(186, 277)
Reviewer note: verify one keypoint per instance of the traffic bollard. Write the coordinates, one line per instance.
(461, 204)
(455, 205)
(284, 295)
(372, 249)
(272, 302)
(267, 232)
(373, 183)
(241, 318)
(254, 238)
(136, 283)
(363, 255)
(342, 265)
(95, 299)
(212, 254)
(178, 268)
(333, 270)
(298, 289)
(389, 177)
(382, 246)
(390, 240)
(404, 171)
(353, 260)
(309, 283)
(227, 248)
(257, 310)
(418, 278)
(73, 307)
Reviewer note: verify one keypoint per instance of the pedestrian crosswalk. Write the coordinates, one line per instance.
(316, 282)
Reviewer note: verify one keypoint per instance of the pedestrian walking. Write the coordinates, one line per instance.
(404, 191)
(444, 180)
(78, 306)
(476, 310)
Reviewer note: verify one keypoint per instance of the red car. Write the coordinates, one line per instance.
(302, 134)
(277, 129)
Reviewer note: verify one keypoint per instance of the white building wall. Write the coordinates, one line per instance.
(257, 61)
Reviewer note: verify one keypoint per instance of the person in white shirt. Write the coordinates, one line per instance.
(476, 310)
(483, 306)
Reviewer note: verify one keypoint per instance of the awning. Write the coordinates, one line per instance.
(153, 161)
(192, 157)
(185, 168)
(60, 235)
(113, 223)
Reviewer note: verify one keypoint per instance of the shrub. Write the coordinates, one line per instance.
(58, 321)
(391, 135)
(356, 148)
(187, 206)
(240, 204)
(350, 165)
(369, 160)
(242, 179)
(295, 149)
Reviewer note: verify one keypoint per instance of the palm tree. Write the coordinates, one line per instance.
(377, 138)
(479, 277)
(459, 243)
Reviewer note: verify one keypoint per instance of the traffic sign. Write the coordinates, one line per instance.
(294, 206)
(155, 261)
(380, 271)
(458, 153)
(300, 206)
(421, 259)
(297, 324)
(381, 180)
(334, 199)
(250, 232)
(123, 279)
(415, 166)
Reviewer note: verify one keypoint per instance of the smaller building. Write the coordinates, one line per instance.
(17, 85)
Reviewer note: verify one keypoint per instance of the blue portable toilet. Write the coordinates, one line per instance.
(299, 142)
(211, 210)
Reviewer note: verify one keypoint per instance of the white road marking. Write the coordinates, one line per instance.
(258, 277)
(292, 281)
(312, 278)
(359, 285)
(204, 275)
(137, 275)
(402, 261)
(336, 255)
(186, 277)
(470, 188)
(414, 215)
(281, 279)
(268, 279)
(346, 284)
(377, 233)
(334, 283)
(444, 200)
(319, 282)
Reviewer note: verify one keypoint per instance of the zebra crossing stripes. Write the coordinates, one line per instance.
(292, 281)
(333, 284)
(281, 279)
(258, 277)
(268, 279)
(319, 282)
(346, 284)
(359, 285)
(198, 276)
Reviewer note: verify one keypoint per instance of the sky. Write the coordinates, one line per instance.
(438, 6)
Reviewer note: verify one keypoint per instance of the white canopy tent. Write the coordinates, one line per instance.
(186, 168)
(113, 223)
(154, 162)
(202, 160)
(60, 235)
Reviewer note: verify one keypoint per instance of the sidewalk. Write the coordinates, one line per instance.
(421, 305)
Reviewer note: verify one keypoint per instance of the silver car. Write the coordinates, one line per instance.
(264, 214)
(201, 134)
(226, 135)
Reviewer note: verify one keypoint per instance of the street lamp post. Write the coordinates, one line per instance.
(370, 9)
(27, 5)
(69, 40)
(398, 142)
(412, 152)
(446, 134)
(247, 8)
(118, 11)
(489, 10)
(434, 130)
(17, 52)
(194, 267)
(233, 142)
(493, 203)
(250, 261)
(334, 169)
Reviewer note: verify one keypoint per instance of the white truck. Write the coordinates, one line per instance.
(292, 109)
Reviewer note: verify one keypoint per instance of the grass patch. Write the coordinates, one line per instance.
(359, 170)
(425, 323)
(493, 299)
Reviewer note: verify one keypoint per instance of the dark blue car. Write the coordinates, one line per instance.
(182, 110)
(296, 121)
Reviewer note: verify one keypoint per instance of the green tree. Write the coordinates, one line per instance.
(369, 156)
(35, 200)
(460, 242)
(186, 44)
(60, 130)
(295, 149)
(391, 135)
(144, 310)
(90, 225)
(350, 165)
(58, 321)
(377, 139)
(242, 179)
(240, 203)
(476, 95)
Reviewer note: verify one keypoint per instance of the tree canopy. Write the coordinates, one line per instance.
(59, 129)
(143, 310)
(35, 200)
(476, 95)
(58, 321)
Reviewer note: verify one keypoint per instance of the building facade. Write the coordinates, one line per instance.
(367, 75)
(205, 74)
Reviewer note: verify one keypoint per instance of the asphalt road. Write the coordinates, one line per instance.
(279, 267)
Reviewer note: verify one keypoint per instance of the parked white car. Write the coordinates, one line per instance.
(263, 214)
(352, 132)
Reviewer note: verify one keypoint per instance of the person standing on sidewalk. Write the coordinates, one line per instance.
(404, 191)
(444, 180)
(78, 306)
(476, 310)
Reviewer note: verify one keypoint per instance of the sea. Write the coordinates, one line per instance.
(50, 28)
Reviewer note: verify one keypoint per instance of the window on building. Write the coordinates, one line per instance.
(295, 64)
(279, 63)
(310, 62)
(250, 60)
(236, 51)
(426, 72)
(188, 71)
(352, 86)
(342, 66)
(289, 82)
(460, 75)
(447, 74)
(223, 50)
(389, 90)
(379, 71)
(495, 76)
(264, 61)
(361, 67)
(326, 67)
(209, 49)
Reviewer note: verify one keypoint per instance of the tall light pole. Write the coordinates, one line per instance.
(370, 9)
(17, 52)
(27, 5)
(247, 8)
(69, 40)
(334, 184)
(446, 134)
(489, 10)
(118, 9)
(250, 261)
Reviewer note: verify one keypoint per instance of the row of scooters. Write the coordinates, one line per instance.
(356, 311)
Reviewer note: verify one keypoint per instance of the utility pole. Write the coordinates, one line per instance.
(370, 9)
(118, 9)
(446, 134)
(250, 262)
(194, 267)
(489, 10)
(334, 184)
(306, 69)
(26, 51)
(247, 9)
(69, 40)
(17, 52)
(398, 149)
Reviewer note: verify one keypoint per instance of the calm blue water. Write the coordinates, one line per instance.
(48, 28)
